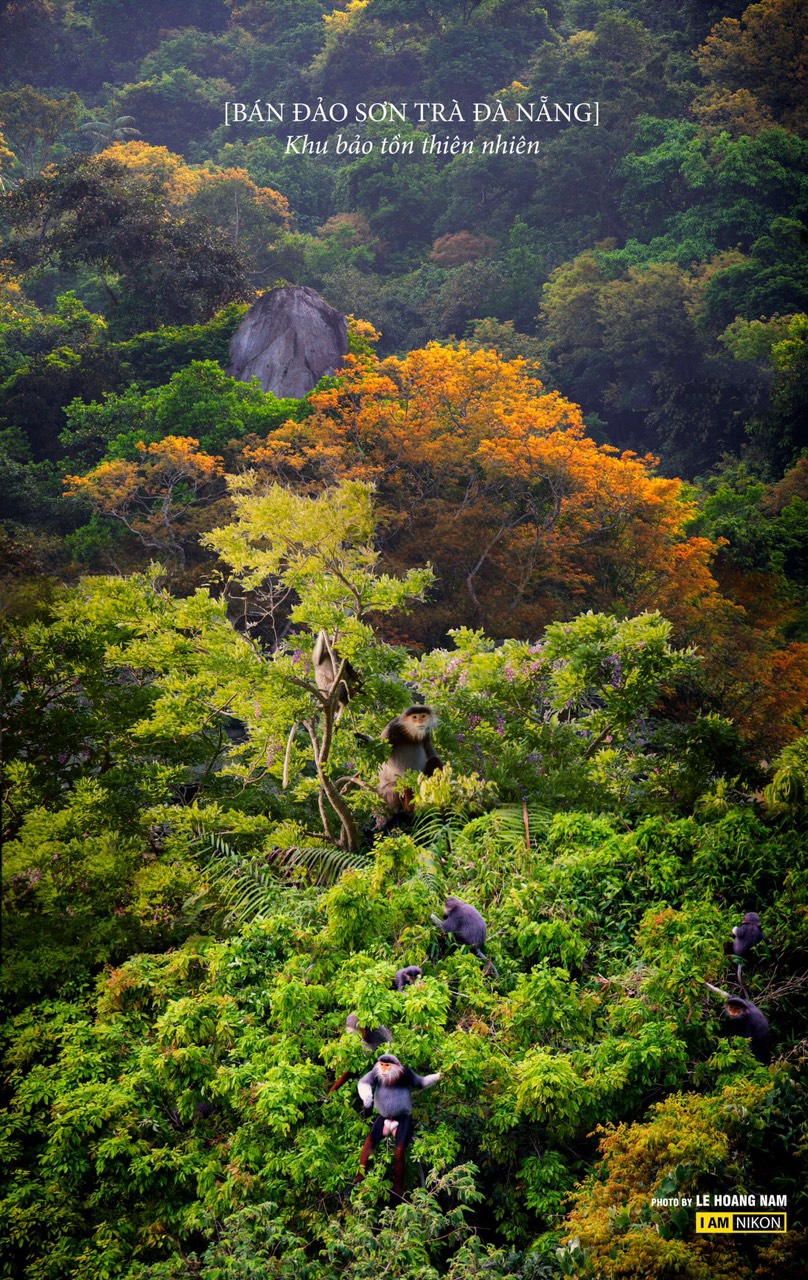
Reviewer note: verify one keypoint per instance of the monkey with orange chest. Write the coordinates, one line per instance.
(742, 1018)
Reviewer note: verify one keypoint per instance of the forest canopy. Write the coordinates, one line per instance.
(551, 508)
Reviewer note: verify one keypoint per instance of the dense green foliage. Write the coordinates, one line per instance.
(199, 882)
(625, 256)
(181, 969)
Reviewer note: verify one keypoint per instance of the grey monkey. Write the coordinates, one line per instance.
(466, 924)
(411, 748)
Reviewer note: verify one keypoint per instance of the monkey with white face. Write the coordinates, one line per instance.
(411, 748)
(388, 1088)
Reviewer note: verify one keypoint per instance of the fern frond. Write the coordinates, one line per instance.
(435, 830)
(432, 824)
(244, 888)
(247, 885)
(523, 823)
(322, 864)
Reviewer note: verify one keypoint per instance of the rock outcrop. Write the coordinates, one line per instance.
(289, 340)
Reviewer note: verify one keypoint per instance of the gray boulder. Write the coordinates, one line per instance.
(289, 340)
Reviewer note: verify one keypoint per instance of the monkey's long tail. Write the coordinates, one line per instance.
(398, 1174)
(339, 1083)
(288, 756)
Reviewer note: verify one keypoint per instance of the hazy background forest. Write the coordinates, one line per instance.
(558, 491)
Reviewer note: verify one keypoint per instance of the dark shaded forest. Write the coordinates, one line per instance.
(557, 491)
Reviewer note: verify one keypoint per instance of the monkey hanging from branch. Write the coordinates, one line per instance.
(334, 682)
(411, 749)
(329, 667)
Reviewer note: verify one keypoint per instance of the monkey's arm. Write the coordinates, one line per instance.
(440, 923)
(433, 760)
(717, 990)
(365, 1089)
(423, 1082)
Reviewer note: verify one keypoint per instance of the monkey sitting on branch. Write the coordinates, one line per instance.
(411, 748)
(467, 925)
(742, 1018)
(745, 938)
(402, 978)
(387, 1087)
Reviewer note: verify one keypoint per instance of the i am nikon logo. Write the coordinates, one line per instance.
(734, 1223)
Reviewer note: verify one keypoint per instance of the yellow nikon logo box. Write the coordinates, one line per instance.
(734, 1223)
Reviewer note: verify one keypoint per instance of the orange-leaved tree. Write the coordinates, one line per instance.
(248, 215)
(165, 497)
(482, 471)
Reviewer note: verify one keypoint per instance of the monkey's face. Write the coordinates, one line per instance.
(389, 1071)
(419, 723)
(735, 1010)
